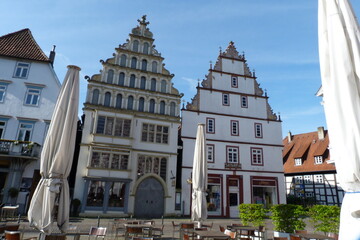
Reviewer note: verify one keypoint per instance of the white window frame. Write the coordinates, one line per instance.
(257, 156)
(34, 93)
(21, 70)
(2, 128)
(234, 81)
(210, 153)
(258, 130)
(24, 128)
(318, 159)
(210, 125)
(319, 178)
(234, 124)
(226, 99)
(232, 154)
(307, 179)
(3, 88)
(298, 180)
(298, 161)
(244, 101)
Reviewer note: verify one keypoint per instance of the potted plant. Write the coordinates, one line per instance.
(252, 214)
(287, 218)
(325, 218)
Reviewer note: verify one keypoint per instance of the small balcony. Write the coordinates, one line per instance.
(20, 148)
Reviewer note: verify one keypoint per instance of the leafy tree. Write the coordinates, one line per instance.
(252, 214)
(288, 217)
(325, 218)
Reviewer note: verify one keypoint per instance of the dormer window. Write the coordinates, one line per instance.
(298, 161)
(318, 159)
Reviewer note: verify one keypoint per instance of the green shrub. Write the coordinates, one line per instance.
(287, 217)
(252, 214)
(325, 218)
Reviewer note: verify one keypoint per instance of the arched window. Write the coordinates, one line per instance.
(107, 99)
(162, 107)
(163, 86)
(152, 106)
(123, 60)
(146, 48)
(172, 109)
(141, 104)
(136, 46)
(144, 65)
(118, 101)
(95, 96)
(143, 83)
(121, 79)
(110, 76)
(130, 103)
(154, 67)
(133, 62)
(132, 81)
(153, 84)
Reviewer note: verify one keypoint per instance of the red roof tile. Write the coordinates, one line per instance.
(306, 146)
(21, 44)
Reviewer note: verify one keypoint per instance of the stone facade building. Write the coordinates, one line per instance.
(243, 138)
(128, 153)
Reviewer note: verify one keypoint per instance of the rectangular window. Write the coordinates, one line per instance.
(155, 133)
(25, 130)
(109, 160)
(32, 97)
(226, 99)
(151, 164)
(319, 178)
(232, 154)
(234, 81)
(210, 125)
(298, 161)
(318, 159)
(258, 130)
(244, 102)
(307, 179)
(309, 194)
(3, 88)
(298, 179)
(234, 128)
(2, 129)
(22, 70)
(210, 149)
(257, 156)
(113, 126)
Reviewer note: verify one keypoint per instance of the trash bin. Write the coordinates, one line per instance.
(12, 235)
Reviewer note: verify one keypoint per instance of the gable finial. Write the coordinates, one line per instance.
(143, 20)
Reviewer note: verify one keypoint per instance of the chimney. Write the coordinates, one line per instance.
(289, 136)
(52, 56)
(321, 134)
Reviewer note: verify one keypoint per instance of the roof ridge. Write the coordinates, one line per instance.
(13, 33)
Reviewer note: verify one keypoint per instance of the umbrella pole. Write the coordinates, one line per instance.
(42, 236)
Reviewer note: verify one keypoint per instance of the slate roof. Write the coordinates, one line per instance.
(21, 44)
(306, 146)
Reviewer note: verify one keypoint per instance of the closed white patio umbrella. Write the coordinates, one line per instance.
(339, 50)
(56, 159)
(199, 178)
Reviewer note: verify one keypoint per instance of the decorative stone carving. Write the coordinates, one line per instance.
(194, 105)
(231, 52)
(258, 89)
(270, 114)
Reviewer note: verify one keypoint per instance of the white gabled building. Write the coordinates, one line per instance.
(244, 139)
(128, 153)
(28, 91)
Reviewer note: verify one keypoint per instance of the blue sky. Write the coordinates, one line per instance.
(279, 38)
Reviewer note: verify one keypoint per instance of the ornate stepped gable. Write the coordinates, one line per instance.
(231, 52)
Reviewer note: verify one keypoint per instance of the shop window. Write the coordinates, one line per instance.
(213, 197)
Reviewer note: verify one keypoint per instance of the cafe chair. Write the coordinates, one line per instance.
(201, 229)
(209, 226)
(158, 231)
(97, 232)
(133, 232)
(222, 229)
(187, 228)
(176, 228)
(292, 237)
(231, 234)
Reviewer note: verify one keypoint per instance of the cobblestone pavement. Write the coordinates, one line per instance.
(84, 224)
